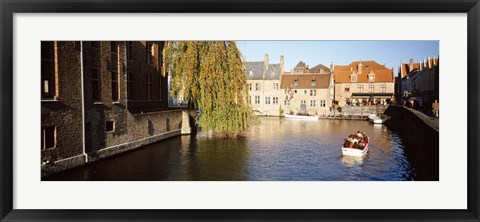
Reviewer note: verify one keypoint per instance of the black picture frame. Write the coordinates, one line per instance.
(9, 7)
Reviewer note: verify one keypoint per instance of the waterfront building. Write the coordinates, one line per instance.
(311, 87)
(99, 98)
(422, 81)
(263, 82)
(402, 88)
(361, 81)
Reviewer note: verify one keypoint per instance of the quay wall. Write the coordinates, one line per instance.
(421, 135)
(138, 130)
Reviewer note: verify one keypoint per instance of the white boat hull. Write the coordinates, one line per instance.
(301, 117)
(375, 119)
(354, 152)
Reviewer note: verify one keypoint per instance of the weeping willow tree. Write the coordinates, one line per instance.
(210, 74)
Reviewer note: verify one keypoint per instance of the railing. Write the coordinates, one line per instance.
(360, 111)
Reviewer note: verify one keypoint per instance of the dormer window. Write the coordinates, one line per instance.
(295, 82)
(353, 78)
(314, 82)
(371, 76)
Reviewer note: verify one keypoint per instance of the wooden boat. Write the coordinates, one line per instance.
(375, 119)
(354, 151)
(301, 117)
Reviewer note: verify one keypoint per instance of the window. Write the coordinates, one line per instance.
(267, 100)
(313, 92)
(48, 137)
(354, 78)
(129, 50)
(257, 86)
(250, 87)
(295, 91)
(295, 82)
(286, 102)
(113, 48)
(148, 82)
(95, 44)
(346, 89)
(275, 100)
(371, 88)
(314, 82)
(88, 126)
(257, 99)
(360, 88)
(149, 52)
(275, 86)
(96, 86)
(312, 103)
(322, 103)
(48, 70)
(114, 86)
(130, 77)
(304, 91)
(383, 88)
(303, 101)
(160, 86)
(109, 126)
(371, 78)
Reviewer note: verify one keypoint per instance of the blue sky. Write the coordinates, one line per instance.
(339, 52)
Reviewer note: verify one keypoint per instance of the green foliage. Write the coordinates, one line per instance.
(210, 74)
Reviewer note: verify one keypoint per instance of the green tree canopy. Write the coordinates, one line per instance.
(210, 74)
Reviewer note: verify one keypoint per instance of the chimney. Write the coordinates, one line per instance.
(410, 65)
(401, 70)
(360, 67)
(265, 61)
(282, 63)
(331, 66)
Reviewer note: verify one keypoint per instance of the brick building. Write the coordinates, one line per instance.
(100, 98)
(421, 81)
(361, 81)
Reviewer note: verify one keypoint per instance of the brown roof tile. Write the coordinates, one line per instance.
(305, 81)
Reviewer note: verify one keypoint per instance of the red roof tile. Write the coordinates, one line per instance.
(382, 74)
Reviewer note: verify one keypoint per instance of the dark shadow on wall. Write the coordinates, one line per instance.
(151, 129)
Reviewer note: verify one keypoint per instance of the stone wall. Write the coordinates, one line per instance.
(266, 90)
(137, 130)
(421, 135)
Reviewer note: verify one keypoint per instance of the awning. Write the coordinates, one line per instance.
(370, 95)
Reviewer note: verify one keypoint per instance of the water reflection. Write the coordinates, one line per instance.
(273, 150)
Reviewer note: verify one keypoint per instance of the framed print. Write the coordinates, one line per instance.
(269, 110)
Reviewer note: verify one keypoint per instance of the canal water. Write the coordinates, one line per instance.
(276, 149)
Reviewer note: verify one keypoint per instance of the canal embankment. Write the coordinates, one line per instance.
(421, 135)
(138, 130)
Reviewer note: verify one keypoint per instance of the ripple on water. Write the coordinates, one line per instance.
(273, 150)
